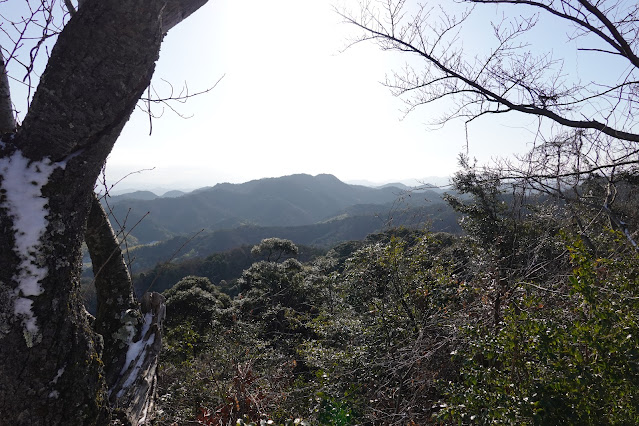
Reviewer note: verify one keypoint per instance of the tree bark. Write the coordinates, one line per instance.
(178, 10)
(115, 299)
(51, 360)
(132, 333)
(133, 394)
(7, 119)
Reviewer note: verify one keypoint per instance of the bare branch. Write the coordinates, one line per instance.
(510, 77)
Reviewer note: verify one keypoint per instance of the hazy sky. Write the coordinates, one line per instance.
(291, 100)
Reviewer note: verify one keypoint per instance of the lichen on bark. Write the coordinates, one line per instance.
(100, 65)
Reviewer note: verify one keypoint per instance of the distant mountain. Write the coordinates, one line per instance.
(173, 194)
(437, 181)
(135, 195)
(398, 185)
(295, 200)
(143, 195)
(434, 181)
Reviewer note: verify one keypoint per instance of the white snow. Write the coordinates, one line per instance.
(136, 347)
(58, 375)
(22, 181)
(22, 308)
(135, 352)
(54, 393)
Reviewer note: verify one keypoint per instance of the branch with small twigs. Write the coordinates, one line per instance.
(154, 98)
(510, 77)
(173, 256)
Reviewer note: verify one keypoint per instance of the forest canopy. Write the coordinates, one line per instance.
(529, 317)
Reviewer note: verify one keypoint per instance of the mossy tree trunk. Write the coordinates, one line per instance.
(55, 367)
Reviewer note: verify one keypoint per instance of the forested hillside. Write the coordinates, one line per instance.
(512, 298)
(296, 200)
(530, 317)
(524, 319)
(325, 235)
(159, 265)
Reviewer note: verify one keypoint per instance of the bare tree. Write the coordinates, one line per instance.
(57, 364)
(593, 180)
(513, 75)
(586, 128)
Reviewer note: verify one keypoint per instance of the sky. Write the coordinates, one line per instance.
(290, 98)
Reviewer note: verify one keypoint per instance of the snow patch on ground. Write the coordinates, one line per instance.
(22, 182)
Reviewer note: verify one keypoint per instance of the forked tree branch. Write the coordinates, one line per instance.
(491, 96)
(100, 65)
(615, 39)
(510, 78)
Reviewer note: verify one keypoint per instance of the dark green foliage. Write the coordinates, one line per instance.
(196, 300)
(247, 348)
(510, 237)
(385, 342)
(216, 267)
(561, 346)
(576, 363)
(519, 321)
(276, 248)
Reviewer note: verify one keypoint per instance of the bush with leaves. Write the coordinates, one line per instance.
(226, 361)
(196, 300)
(382, 347)
(512, 236)
(516, 322)
(276, 248)
(574, 362)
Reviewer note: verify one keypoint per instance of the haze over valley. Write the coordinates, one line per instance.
(310, 210)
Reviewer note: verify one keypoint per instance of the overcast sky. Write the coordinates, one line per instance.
(291, 100)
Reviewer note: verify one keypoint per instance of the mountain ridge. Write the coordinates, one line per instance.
(293, 200)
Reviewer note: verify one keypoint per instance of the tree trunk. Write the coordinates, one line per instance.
(132, 334)
(118, 314)
(7, 119)
(51, 360)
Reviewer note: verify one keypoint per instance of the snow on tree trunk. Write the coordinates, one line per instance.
(136, 386)
(132, 336)
(52, 369)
